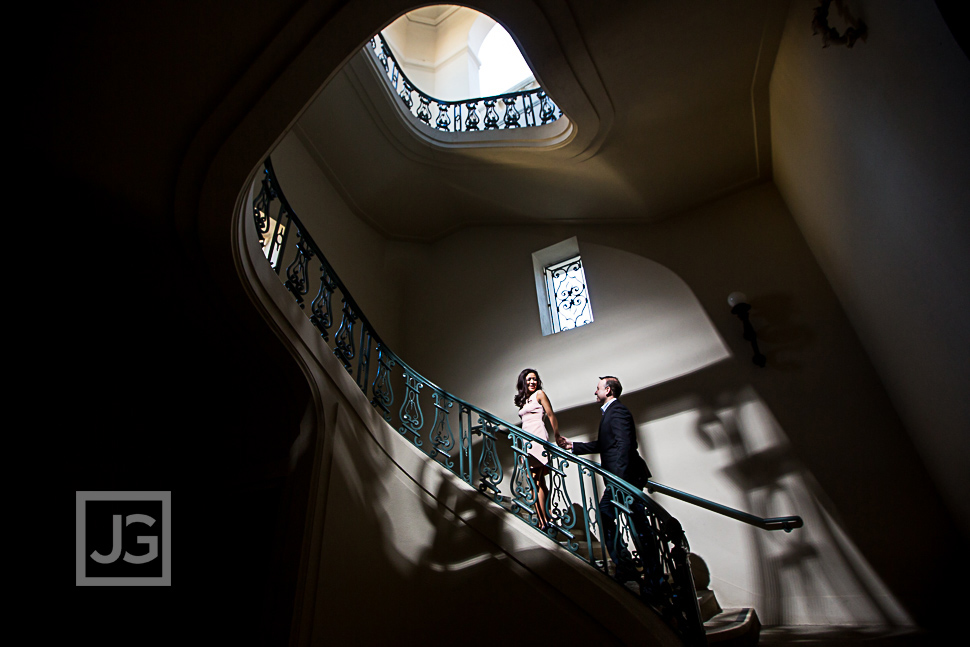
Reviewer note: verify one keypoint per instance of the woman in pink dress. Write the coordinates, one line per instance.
(533, 405)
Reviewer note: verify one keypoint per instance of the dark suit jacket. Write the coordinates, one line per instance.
(617, 446)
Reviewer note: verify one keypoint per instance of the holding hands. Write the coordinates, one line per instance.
(562, 442)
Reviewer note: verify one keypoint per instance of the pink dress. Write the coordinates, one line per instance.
(531, 414)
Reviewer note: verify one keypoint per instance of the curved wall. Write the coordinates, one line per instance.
(648, 326)
(400, 550)
(786, 439)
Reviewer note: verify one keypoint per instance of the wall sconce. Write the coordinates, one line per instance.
(740, 307)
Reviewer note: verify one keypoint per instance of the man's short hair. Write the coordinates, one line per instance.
(615, 387)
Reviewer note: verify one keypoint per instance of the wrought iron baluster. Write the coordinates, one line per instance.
(529, 111)
(277, 241)
(297, 278)
(587, 522)
(598, 523)
(525, 493)
(489, 467)
(363, 359)
(464, 437)
(443, 122)
(491, 114)
(511, 113)
(456, 117)
(653, 540)
(382, 55)
(261, 208)
(321, 315)
(622, 537)
(411, 417)
(472, 120)
(424, 109)
(344, 339)
(559, 505)
(382, 393)
(406, 94)
(442, 438)
(547, 112)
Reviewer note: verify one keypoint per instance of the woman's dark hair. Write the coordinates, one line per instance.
(523, 393)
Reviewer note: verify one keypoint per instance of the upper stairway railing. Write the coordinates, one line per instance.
(648, 535)
(525, 108)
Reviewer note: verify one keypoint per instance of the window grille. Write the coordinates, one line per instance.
(568, 297)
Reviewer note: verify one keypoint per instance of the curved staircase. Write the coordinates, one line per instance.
(444, 450)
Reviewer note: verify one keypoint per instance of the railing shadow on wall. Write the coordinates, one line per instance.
(714, 424)
(468, 440)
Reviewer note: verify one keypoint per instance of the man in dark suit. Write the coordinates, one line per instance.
(617, 447)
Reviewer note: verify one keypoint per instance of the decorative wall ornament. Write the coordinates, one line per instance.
(856, 30)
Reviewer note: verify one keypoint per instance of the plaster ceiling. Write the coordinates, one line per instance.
(668, 102)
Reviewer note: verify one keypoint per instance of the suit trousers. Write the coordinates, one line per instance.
(647, 546)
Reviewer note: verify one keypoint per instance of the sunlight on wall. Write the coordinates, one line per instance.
(455, 53)
(649, 328)
(739, 456)
(503, 67)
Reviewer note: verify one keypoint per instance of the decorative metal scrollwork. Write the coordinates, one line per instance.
(406, 94)
(382, 394)
(442, 438)
(321, 315)
(646, 534)
(523, 487)
(297, 278)
(277, 239)
(382, 53)
(559, 505)
(363, 359)
(491, 114)
(411, 417)
(472, 120)
(261, 206)
(567, 285)
(547, 111)
(511, 113)
(344, 339)
(443, 121)
(489, 466)
(404, 88)
(424, 109)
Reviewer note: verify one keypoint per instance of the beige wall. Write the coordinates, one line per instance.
(871, 151)
(793, 438)
(479, 325)
(438, 55)
(813, 433)
(397, 549)
(872, 170)
(362, 258)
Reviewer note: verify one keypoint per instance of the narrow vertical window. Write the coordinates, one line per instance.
(568, 296)
(561, 288)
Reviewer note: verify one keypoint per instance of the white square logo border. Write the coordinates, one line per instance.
(80, 550)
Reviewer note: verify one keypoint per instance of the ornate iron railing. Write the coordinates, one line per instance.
(509, 110)
(470, 441)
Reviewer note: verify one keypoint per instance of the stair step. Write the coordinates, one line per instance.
(734, 627)
(707, 602)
